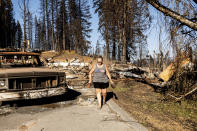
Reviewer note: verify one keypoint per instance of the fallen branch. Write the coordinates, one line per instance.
(185, 95)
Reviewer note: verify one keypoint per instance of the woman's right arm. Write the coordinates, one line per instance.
(90, 74)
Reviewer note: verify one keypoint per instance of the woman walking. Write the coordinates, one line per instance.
(100, 76)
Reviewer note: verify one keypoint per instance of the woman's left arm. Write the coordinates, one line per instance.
(108, 74)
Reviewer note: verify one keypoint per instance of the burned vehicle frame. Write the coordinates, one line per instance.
(22, 76)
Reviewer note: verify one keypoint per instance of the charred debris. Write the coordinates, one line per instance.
(177, 81)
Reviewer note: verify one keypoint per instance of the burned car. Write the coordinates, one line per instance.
(22, 76)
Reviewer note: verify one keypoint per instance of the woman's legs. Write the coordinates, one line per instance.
(104, 93)
(98, 95)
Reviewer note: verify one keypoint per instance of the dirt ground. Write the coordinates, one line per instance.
(65, 56)
(152, 110)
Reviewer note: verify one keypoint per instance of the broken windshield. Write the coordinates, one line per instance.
(19, 59)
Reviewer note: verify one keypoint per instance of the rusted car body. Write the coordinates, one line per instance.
(22, 76)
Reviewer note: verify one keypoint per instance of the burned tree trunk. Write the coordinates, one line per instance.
(175, 15)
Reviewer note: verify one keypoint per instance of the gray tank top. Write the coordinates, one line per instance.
(99, 74)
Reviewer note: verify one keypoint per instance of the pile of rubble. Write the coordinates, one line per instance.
(75, 67)
(76, 71)
(75, 62)
(130, 71)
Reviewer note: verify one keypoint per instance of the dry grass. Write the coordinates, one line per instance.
(150, 109)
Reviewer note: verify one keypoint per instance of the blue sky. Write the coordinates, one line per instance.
(152, 33)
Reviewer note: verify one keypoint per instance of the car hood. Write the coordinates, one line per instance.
(29, 72)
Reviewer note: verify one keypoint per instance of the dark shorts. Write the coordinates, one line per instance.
(100, 85)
